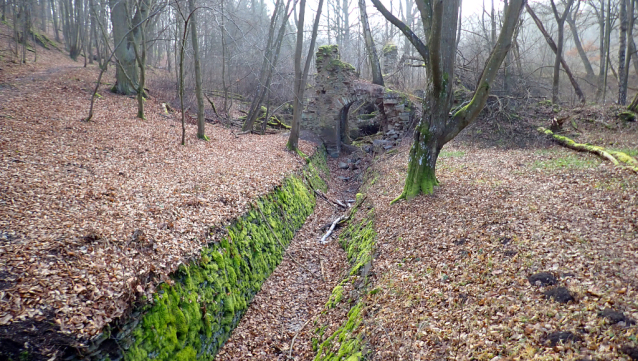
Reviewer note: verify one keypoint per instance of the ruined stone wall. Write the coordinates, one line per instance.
(337, 87)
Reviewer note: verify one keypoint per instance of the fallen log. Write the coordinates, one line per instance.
(613, 156)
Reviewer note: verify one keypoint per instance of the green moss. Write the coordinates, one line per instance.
(349, 342)
(358, 240)
(389, 48)
(627, 116)
(191, 319)
(346, 343)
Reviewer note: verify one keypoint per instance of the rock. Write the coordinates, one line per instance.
(367, 148)
(561, 336)
(542, 279)
(616, 317)
(389, 146)
(559, 294)
(343, 165)
(345, 179)
(380, 143)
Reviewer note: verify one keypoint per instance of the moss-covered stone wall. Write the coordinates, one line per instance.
(347, 342)
(192, 317)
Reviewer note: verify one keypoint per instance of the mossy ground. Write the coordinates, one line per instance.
(191, 318)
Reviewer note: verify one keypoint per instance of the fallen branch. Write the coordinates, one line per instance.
(294, 338)
(610, 155)
(337, 203)
(332, 228)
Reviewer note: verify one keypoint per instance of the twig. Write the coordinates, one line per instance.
(332, 227)
(282, 245)
(294, 338)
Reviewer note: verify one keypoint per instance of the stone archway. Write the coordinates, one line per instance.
(338, 87)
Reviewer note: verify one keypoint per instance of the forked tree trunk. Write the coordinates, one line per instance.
(436, 126)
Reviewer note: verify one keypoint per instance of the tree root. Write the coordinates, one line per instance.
(613, 156)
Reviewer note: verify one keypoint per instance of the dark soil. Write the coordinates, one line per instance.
(545, 279)
(559, 294)
(616, 316)
(561, 336)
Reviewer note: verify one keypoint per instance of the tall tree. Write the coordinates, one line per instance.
(571, 21)
(436, 126)
(552, 45)
(126, 27)
(560, 21)
(301, 76)
(373, 58)
(201, 120)
(271, 57)
(623, 67)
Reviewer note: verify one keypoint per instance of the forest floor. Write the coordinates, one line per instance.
(94, 215)
(453, 276)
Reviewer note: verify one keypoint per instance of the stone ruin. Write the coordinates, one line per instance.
(337, 88)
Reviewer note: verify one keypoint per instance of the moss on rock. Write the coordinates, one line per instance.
(347, 342)
(191, 318)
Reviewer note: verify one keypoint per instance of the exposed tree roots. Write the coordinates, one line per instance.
(616, 157)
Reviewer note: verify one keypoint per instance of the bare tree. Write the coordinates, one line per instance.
(301, 77)
(623, 67)
(552, 45)
(201, 120)
(437, 127)
(373, 58)
(560, 21)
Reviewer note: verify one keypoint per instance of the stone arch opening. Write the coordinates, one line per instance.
(337, 88)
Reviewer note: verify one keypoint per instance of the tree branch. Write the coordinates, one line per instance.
(412, 37)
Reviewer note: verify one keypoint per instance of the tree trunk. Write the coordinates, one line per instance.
(373, 58)
(270, 61)
(301, 77)
(579, 46)
(436, 128)
(427, 144)
(552, 45)
(201, 120)
(560, 20)
(126, 73)
(622, 50)
(634, 104)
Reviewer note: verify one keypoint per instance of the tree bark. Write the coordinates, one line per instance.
(126, 73)
(436, 127)
(552, 45)
(560, 21)
(622, 52)
(301, 77)
(579, 46)
(201, 120)
(373, 58)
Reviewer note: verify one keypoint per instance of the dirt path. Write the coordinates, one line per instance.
(292, 298)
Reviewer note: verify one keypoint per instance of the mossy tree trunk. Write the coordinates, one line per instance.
(634, 105)
(437, 127)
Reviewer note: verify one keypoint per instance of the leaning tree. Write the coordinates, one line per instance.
(438, 126)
